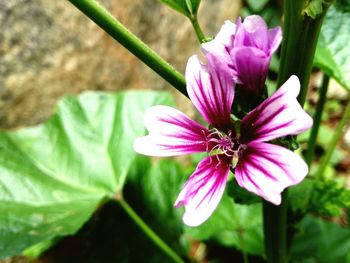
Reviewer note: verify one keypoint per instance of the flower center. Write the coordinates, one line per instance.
(222, 143)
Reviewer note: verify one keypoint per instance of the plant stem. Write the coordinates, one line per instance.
(275, 220)
(199, 33)
(115, 29)
(148, 231)
(317, 120)
(300, 34)
(338, 133)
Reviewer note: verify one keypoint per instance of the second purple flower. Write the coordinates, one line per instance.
(244, 50)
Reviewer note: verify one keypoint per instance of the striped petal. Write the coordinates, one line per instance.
(211, 91)
(277, 116)
(171, 133)
(266, 170)
(203, 191)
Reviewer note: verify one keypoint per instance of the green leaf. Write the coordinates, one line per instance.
(188, 8)
(320, 242)
(234, 225)
(53, 176)
(329, 198)
(333, 52)
(314, 8)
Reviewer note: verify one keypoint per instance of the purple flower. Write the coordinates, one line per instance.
(262, 168)
(245, 50)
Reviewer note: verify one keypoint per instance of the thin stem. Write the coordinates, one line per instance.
(148, 231)
(317, 120)
(199, 33)
(115, 29)
(275, 221)
(338, 133)
(245, 255)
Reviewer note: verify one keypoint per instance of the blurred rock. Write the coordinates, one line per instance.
(49, 49)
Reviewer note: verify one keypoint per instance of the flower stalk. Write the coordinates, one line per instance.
(300, 35)
(98, 14)
(275, 222)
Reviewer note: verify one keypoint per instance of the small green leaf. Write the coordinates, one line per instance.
(329, 198)
(188, 8)
(53, 176)
(314, 8)
(333, 52)
(320, 241)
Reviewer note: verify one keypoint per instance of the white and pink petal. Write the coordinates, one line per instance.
(277, 116)
(204, 189)
(171, 133)
(266, 170)
(211, 91)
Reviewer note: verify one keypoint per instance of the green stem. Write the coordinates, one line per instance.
(275, 220)
(199, 33)
(317, 120)
(115, 29)
(338, 133)
(300, 34)
(149, 232)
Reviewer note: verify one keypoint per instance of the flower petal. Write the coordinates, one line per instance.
(171, 133)
(211, 91)
(275, 38)
(253, 32)
(203, 191)
(266, 169)
(277, 116)
(218, 50)
(252, 66)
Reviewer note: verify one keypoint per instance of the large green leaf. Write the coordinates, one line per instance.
(186, 7)
(53, 176)
(333, 52)
(234, 225)
(320, 242)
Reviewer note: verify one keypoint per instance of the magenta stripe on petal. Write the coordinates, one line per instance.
(211, 91)
(171, 133)
(277, 116)
(266, 170)
(203, 191)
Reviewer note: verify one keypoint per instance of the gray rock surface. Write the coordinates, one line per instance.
(49, 49)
